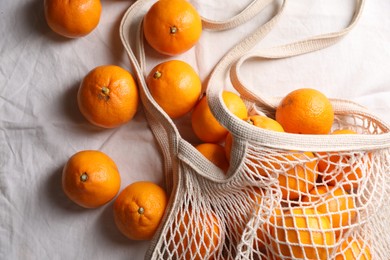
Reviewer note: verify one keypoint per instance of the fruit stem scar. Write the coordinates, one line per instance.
(157, 75)
(250, 121)
(141, 210)
(105, 90)
(84, 177)
(173, 29)
(105, 93)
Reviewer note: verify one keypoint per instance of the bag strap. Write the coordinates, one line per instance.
(133, 16)
(131, 35)
(241, 52)
(163, 129)
(231, 63)
(250, 11)
(312, 44)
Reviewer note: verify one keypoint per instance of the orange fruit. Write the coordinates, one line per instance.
(336, 204)
(300, 177)
(206, 127)
(175, 86)
(305, 111)
(172, 27)
(297, 172)
(353, 249)
(90, 178)
(264, 231)
(139, 209)
(265, 123)
(302, 234)
(341, 171)
(108, 96)
(72, 19)
(251, 204)
(198, 235)
(343, 131)
(337, 167)
(249, 199)
(256, 120)
(215, 153)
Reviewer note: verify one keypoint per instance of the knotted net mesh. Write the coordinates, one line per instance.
(274, 203)
(282, 204)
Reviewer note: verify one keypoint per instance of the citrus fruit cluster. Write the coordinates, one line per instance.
(318, 205)
(313, 182)
(327, 209)
(108, 98)
(91, 179)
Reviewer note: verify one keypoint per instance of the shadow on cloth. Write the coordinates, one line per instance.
(56, 195)
(32, 16)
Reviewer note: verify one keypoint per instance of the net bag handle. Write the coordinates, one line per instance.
(230, 65)
(131, 35)
(133, 15)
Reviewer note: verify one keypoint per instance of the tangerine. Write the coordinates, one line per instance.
(300, 178)
(353, 249)
(175, 86)
(197, 236)
(172, 27)
(305, 111)
(265, 123)
(336, 204)
(72, 19)
(215, 153)
(256, 120)
(139, 209)
(108, 96)
(297, 172)
(343, 167)
(206, 127)
(264, 231)
(90, 178)
(251, 203)
(301, 233)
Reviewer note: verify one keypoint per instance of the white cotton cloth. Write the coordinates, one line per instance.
(41, 126)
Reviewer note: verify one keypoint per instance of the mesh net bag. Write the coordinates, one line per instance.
(286, 196)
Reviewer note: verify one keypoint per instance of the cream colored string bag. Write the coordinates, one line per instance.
(249, 213)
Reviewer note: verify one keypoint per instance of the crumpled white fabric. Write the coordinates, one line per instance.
(41, 126)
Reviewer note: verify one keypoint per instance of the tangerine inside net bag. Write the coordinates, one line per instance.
(250, 213)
